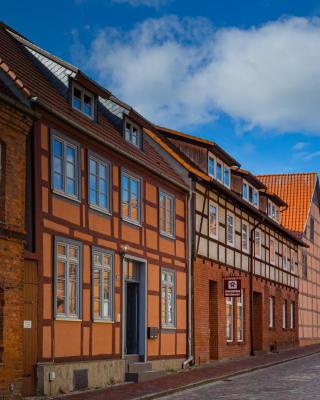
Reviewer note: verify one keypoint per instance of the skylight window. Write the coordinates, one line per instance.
(83, 101)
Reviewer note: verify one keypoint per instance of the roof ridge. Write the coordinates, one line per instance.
(289, 174)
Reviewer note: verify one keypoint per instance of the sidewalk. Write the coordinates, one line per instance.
(193, 377)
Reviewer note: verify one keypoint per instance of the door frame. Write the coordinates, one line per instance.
(142, 341)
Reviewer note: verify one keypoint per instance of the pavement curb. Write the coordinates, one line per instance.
(220, 378)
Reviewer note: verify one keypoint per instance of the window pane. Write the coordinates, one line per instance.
(163, 305)
(162, 213)
(61, 287)
(77, 98)
(219, 171)
(96, 294)
(213, 220)
(245, 191)
(61, 249)
(72, 289)
(211, 166)
(87, 105)
(169, 230)
(226, 176)
(230, 229)
(57, 148)
(125, 196)
(57, 181)
(106, 293)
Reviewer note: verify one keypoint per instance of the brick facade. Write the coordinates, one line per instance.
(210, 314)
(13, 129)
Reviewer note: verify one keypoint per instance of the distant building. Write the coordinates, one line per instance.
(231, 207)
(302, 217)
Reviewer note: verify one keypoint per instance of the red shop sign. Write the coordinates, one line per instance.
(232, 287)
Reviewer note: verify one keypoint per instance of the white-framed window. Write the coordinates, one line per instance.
(213, 220)
(99, 183)
(229, 319)
(102, 280)
(168, 300)
(271, 312)
(245, 237)
(272, 251)
(226, 176)
(285, 257)
(250, 194)
(245, 193)
(240, 315)
(284, 314)
(293, 261)
(130, 198)
(65, 166)
(292, 315)
(257, 243)
(219, 174)
(166, 214)
(273, 211)
(132, 133)
(83, 101)
(211, 166)
(230, 229)
(67, 279)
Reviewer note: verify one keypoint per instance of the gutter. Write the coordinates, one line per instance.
(190, 356)
(80, 128)
(252, 243)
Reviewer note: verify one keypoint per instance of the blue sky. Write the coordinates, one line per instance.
(244, 74)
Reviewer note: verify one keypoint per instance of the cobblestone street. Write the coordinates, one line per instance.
(294, 380)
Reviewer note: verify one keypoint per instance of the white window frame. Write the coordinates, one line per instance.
(226, 168)
(272, 254)
(271, 311)
(139, 181)
(233, 229)
(216, 235)
(166, 196)
(229, 319)
(166, 284)
(284, 314)
(246, 240)
(244, 183)
(83, 93)
(292, 315)
(139, 132)
(100, 268)
(107, 165)
(211, 157)
(257, 234)
(240, 313)
(65, 142)
(67, 260)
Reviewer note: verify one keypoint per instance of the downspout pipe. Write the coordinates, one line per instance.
(189, 360)
(252, 242)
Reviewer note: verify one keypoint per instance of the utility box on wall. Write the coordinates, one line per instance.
(153, 332)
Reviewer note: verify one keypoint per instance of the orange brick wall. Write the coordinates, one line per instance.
(210, 314)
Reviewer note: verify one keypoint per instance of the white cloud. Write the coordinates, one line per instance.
(179, 72)
(299, 146)
(147, 3)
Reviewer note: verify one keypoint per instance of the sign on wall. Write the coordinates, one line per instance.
(232, 287)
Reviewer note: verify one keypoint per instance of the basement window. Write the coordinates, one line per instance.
(83, 101)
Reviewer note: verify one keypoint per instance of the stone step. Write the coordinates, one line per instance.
(144, 376)
(140, 367)
(132, 358)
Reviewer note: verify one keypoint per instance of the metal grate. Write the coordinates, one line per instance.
(80, 379)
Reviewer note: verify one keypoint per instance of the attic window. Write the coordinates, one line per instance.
(83, 101)
(132, 133)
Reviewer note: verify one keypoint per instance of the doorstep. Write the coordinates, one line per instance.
(194, 376)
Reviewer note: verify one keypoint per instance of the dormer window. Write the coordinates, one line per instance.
(132, 133)
(218, 170)
(273, 211)
(250, 194)
(83, 101)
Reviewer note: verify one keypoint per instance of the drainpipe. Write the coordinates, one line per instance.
(252, 234)
(189, 213)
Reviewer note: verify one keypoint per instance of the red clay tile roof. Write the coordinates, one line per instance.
(297, 191)
(25, 70)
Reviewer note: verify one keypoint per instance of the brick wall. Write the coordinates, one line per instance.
(210, 314)
(13, 128)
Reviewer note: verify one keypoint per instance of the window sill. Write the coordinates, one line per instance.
(166, 236)
(129, 221)
(102, 321)
(68, 319)
(100, 210)
(66, 196)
